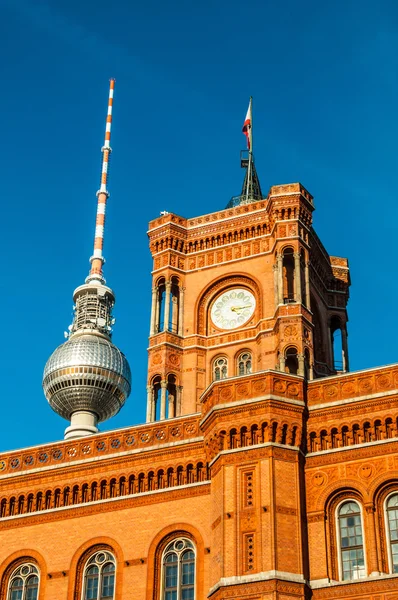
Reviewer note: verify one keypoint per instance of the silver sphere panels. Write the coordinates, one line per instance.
(87, 373)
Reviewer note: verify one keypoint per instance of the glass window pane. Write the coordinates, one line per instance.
(32, 586)
(16, 588)
(392, 501)
(170, 576)
(91, 587)
(108, 582)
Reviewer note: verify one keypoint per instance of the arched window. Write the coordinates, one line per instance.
(392, 518)
(288, 276)
(178, 565)
(351, 541)
(220, 368)
(24, 583)
(291, 361)
(99, 577)
(244, 363)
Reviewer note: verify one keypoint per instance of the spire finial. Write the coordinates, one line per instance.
(251, 190)
(97, 259)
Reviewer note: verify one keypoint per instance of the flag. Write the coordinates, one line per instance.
(247, 125)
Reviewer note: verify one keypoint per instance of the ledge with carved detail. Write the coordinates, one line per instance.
(360, 385)
(264, 383)
(151, 435)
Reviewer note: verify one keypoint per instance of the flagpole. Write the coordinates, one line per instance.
(249, 166)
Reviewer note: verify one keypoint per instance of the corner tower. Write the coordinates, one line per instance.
(242, 290)
(87, 379)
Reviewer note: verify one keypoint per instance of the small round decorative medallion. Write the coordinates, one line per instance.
(331, 391)
(319, 479)
(190, 427)
(293, 389)
(366, 471)
(280, 386)
(2, 465)
(242, 389)
(290, 330)
(174, 359)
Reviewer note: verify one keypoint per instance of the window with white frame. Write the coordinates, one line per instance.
(220, 368)
(99, 577)
(244, 363)
(24, 583)
(351, 541)
(392, 518)
(178, 565)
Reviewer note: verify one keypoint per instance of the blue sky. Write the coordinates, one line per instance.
(324, 80)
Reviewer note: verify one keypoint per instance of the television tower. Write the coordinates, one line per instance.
(87, 379)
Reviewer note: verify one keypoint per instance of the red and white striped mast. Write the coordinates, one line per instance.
(97, 260)
(87, 379)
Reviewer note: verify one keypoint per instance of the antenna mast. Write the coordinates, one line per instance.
(97, 260)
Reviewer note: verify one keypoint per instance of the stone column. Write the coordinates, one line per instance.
(172, 405)
(178, 400)
(301, 368)
(149, 403)
(276, 295)
(157, 310)
(174, 314)
(163, 390)
(167, 306)
(297, 278)
(152, 329)
(181, 312)
(307, 286)
(344, 345)
(331, 350)
(280, 278)
(282, 363)
(372, 554)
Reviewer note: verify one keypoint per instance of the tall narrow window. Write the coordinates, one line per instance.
(351, 541)
(288, 276)
(220, 369)
(178, 570)
(244, 363)
(291, 361)
(99, 577)
(24, 583)
(392, 517)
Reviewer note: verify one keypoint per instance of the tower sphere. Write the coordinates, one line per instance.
(87, 373)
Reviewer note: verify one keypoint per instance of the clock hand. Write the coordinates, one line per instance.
(236, 308)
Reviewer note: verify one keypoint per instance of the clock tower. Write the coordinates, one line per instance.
(242, 290)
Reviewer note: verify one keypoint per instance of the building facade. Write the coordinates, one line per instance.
(265, 470)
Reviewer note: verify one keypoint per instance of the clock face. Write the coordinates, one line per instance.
(233, 308)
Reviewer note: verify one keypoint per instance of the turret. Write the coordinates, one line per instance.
(87, 379)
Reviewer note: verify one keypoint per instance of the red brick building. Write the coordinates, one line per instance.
(265, 469)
